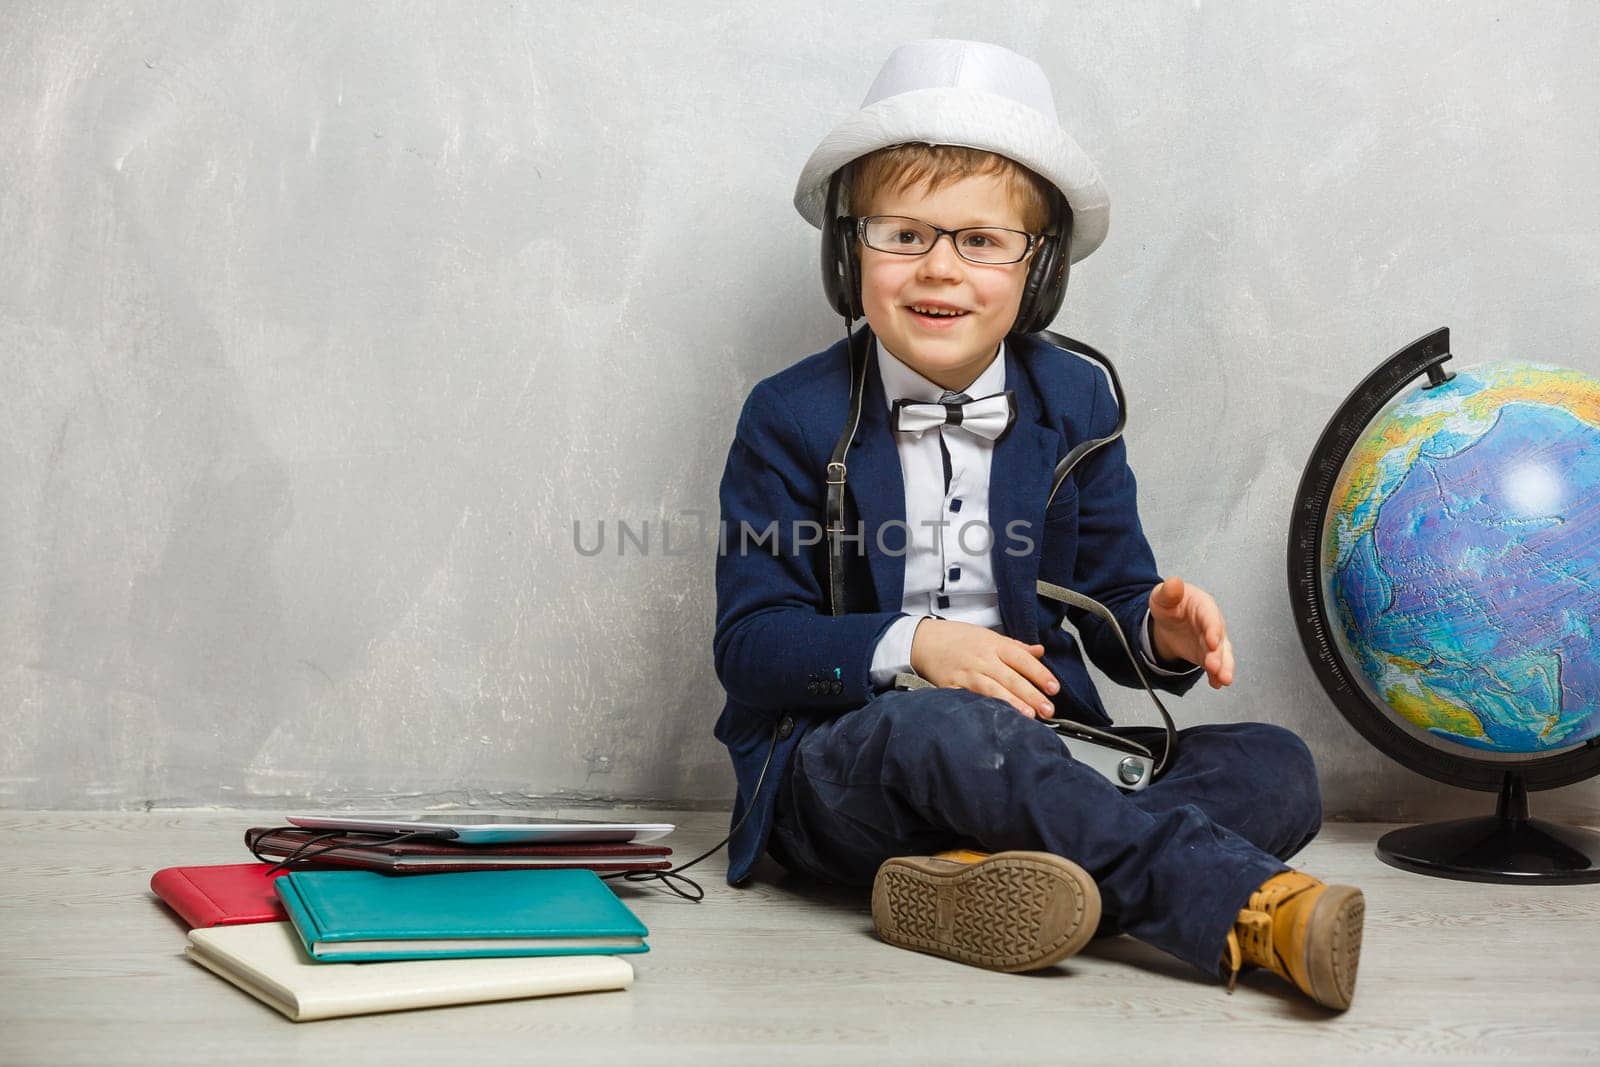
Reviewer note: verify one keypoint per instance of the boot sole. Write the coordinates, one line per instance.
(1012, 911)
(1335, 927)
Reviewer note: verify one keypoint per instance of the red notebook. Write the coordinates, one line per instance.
(224, 895)
(372, 852)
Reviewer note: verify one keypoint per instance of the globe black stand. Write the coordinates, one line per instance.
(1505, 847)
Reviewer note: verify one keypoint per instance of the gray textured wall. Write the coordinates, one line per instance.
(321, 323)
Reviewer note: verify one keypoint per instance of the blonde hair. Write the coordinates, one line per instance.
(934, 166)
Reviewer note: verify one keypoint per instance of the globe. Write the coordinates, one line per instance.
(1444, 569)
(1461, 556)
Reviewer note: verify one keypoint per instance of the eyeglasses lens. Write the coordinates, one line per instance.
(913, 237)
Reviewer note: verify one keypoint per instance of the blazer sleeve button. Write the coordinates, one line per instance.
(785, 727)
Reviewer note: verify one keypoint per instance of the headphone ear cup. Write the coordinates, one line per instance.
(841, 268)
(1045, 288)
(1027, 310)
(833, 283)
(851, 256)
(1053, 286)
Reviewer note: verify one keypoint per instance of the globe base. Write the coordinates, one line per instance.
(1506, 847)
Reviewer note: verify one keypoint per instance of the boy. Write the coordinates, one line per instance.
(959, 203)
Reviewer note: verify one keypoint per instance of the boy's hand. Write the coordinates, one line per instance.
(1188, 625)
(961, 655)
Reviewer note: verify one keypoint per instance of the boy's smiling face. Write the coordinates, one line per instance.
(948, 350)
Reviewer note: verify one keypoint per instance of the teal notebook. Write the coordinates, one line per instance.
(356, 916)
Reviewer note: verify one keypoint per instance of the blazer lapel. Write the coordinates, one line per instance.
(1019, 479)
(876, 484)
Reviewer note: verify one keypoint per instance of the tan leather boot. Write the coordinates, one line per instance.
(1007, 911)
(1303, 930)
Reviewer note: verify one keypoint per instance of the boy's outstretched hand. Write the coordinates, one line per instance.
(1188, 625)
(961, 655)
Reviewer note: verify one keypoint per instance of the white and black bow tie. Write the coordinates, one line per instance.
(988, 416)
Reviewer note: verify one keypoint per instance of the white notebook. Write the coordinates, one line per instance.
(268, 961)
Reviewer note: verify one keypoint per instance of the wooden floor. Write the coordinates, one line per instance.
(92, 972)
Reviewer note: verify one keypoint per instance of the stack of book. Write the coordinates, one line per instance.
(363, 924)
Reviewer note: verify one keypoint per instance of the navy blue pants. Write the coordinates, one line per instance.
(920, 771)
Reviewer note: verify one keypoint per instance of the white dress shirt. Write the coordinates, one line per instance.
(948, 570)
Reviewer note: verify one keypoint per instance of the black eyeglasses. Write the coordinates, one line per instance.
(903, 236)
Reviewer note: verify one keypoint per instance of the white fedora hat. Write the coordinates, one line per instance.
(965, 93)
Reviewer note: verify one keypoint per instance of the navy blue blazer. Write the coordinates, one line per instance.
(787, 664)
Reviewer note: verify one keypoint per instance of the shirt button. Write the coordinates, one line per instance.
(943, 601)
(955, 505)
(955, 574)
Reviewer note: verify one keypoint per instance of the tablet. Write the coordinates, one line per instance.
(486, 828)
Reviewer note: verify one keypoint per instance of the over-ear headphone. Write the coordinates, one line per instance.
(1042, 292)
